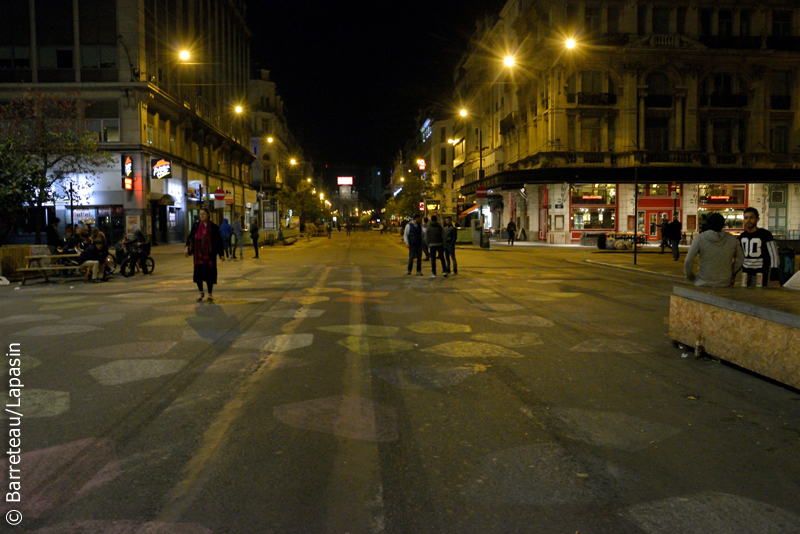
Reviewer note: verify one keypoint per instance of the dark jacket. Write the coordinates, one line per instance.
(90, 253)
(450, 236)
(53, 239)
(217, 247)
(254, 232)
(673, 230)
(435, 234)
(414, 234)
(225, 229)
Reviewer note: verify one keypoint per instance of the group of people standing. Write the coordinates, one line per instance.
(671, 235)
(722, 255)
(437, 241)
(232, 236)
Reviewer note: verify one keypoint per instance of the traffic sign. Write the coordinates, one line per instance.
(219, 194)
(480, 191)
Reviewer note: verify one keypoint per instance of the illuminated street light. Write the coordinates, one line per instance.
(269, 139)
(463, 112)
(293, 161)
(238, 109)
(570, 43)
(509, 61)
(308, 180)
(184, 55)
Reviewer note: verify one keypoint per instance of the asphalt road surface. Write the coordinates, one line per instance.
(325, 391)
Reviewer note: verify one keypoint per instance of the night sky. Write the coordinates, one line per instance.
(353, 74)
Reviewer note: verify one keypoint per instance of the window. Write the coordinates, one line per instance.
(603, 194)
(659, 190)
(642, 19)
(98, 57)
(661, 16)
(149, 134)
(590, 134)
(592, 19)
(443, 156)
(725, 28)
(779, 139)
(682, 20)
(656, 133)
(15, 57)
(613, 20)
(55, 57)
(705, 21)
(781, 89)
(591, 81)
(746, 23)
(734, 218)
(105, 130)
(781, 23)
(723, 136)
(443, 134)
(593, 218)
(723, 84)
(659, 90)
(722, 194)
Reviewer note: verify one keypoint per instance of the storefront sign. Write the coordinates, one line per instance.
(83, 214)
(421, 206)
(127, 166)
(344, 180)
(433, 205)
(127, 183)
(162, 168)
(719, 197)
(117, 210)
(559, 206)
(421, 164)
(592, 197)
(103, 212)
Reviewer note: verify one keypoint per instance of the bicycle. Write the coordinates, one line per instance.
(125, 265)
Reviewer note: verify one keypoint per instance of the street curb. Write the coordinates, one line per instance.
(637, 270)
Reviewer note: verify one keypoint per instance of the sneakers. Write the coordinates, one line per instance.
(445, 275)
(432, 276)
(419, 273)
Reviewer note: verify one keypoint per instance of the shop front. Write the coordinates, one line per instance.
(592, 208)
(729, 200)
(656, 203)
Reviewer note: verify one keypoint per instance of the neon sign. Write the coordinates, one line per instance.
(162, 168)
(592, 197)
(127, 166)
(719, 197)
(344, 180)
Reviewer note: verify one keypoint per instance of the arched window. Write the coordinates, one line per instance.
(659, 91)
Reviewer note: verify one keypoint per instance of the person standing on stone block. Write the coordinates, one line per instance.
(719, 256)
(760, 252)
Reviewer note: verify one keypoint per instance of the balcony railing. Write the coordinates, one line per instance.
(658, 101)
(780, 102)
(665, 41)
(724, 101)
(592, 99)
(507, 123)
(730, 42)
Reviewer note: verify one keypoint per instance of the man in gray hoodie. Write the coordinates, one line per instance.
(720, 257)
(434, 238)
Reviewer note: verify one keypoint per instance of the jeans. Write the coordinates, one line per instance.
(255, 246)
(415, 251)
(226, 243)
(450, 256)
(437, 251)
(238, 242)
(425, 249)
(673, 244)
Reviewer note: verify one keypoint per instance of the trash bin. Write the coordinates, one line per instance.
(484, 240)
(786, 265)
(601, 241)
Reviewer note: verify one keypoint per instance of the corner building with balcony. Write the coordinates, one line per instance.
(697, 101)
(172, 120)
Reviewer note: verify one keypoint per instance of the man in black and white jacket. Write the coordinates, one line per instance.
(760, 252)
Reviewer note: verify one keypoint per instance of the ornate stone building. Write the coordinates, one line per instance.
(697, 101)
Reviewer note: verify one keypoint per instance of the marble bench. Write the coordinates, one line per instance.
(757, 329)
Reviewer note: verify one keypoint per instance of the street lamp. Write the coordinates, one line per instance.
(508, 61)
(184, 55)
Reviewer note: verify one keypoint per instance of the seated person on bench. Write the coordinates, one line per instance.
(90, 257)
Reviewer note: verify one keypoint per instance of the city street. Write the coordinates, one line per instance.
(325, 391)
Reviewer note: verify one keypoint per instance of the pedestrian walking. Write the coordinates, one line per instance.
(663, 229)
(254, 235)
(512, 232)
(328, 229)
(205, 244)
(720, 255)
(424, 240)
(413, 238)
(226, 232)
(673, 234)
(435, 240)
(450, 238)
(760, 252)
(53, 239)
(238, 227)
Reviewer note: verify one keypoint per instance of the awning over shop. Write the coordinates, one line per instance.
(470, 210)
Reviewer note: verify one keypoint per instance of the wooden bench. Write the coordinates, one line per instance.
(39, 268)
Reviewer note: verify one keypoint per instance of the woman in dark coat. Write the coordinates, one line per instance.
(205, 243)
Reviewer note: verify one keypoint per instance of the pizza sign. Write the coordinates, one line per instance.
(162, 168)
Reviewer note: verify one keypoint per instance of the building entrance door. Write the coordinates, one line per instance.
(652, 224)
(778, 211)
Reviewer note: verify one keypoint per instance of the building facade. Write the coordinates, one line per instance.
(696, 101)
(171, 121)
